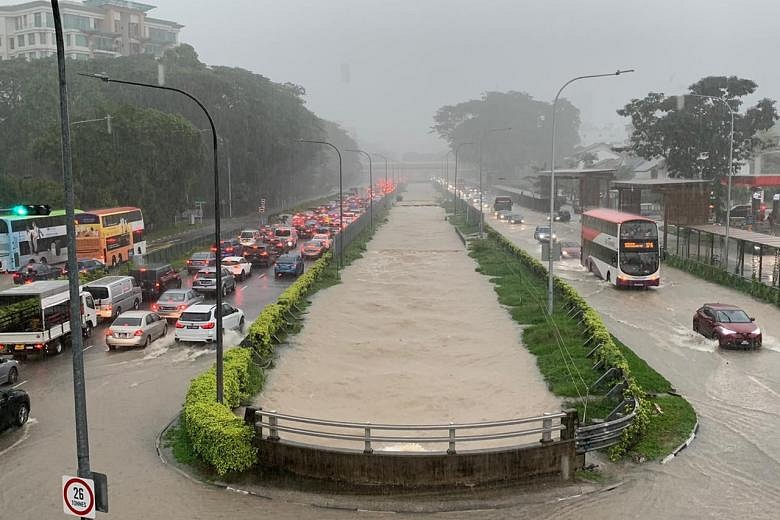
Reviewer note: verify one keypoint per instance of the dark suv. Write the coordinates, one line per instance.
(156, 279)
(34, 272)
(229, 247)
(260, 254)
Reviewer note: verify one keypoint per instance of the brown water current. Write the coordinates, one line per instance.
(412, 335)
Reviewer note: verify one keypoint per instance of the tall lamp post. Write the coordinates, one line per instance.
(341, 201)
(217, 215)
(552, 178)
(447, 168)
(370, 186)
(481, 139)
(385, 159)
(455, 180)
(725, 256)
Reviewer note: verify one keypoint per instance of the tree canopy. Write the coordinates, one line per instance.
(159, 153)
(526, 145)
(692, 133)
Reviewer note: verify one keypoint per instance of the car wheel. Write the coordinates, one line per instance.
(241, 325)
(13, 376)
(165, 331)
(22, 414)
(55, 348)
(148, 341)
(87, 330)
(695, 327)
(136, 305)
(224, 290)
(178, 285)
(110, 346)
(118, 312)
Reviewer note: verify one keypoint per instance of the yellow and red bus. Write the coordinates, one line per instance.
(113, 234)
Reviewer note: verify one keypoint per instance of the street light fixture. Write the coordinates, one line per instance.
(217, 216)
(107, 119)
(455, 181)
(340, 263)
(725, 256)
(370, 186)
(481, 139)
(552, 178)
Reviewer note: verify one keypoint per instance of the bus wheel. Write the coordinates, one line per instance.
(608, 276)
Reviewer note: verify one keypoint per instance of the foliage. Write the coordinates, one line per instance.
(528, 143)
(157, 157)
(692, 133)
(220, 438)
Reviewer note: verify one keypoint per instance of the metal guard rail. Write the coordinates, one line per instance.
(270, 420)
(602, 435)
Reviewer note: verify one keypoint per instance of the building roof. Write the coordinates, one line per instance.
(160, 21)
(578, 173)
(127, 4)
(659, 184)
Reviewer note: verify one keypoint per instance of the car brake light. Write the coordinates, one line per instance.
(189, 262)
(209, 325)
(179, 325)
(139, 332)
(154, 306)
(39, 346)
(109, 332)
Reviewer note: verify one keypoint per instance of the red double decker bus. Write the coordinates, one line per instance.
(622, 248)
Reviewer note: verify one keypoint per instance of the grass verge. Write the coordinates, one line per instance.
(569, 371)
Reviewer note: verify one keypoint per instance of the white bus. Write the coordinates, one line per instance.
(621, 248)
(32, 237)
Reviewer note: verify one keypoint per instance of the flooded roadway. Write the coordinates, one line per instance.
(730, 471)
(412, 335)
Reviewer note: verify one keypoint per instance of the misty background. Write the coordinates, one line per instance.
(382, 69)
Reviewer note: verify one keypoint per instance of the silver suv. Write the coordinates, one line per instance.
(206, 281)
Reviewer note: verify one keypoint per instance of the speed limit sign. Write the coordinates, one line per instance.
(78, 496)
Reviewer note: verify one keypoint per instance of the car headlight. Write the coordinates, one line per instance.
(727, 332)
(756, 332)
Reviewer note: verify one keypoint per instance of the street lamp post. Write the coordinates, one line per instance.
(552, 179)
(725, 256)
(217, 217)
(340, 263)
(455, 180)
(370, 186)
(481, 139)
(385, 159)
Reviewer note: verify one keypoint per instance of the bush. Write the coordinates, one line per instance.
(219, 437)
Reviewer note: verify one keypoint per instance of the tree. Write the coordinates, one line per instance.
(692, 133)
(526, 145)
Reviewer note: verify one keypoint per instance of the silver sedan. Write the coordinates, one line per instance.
(9, 371)
(173, 302)
(136, 329)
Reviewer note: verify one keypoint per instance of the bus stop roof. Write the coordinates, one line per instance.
(578, 173)
(741, 234)
(659, 184)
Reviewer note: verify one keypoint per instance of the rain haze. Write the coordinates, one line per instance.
(382, 69)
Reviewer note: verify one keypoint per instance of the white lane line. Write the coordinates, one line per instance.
(262, 275)
(89, 347)
(242, 288)
(17, 385)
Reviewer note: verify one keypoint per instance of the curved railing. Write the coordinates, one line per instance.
(607, 433)
(275, 423)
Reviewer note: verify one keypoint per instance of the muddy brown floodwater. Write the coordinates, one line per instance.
(412, 335)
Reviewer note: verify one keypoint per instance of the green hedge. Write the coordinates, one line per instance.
(713, 273)
(218, 436)
(609, 354)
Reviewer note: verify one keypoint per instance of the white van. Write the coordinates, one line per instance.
(114, 294)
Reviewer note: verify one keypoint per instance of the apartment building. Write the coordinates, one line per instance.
(92, 28)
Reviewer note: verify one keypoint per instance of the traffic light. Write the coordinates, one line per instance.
(23, 210)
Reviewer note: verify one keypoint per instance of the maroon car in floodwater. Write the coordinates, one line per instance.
(730, 325)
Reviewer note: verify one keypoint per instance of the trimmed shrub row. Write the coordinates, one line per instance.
(609, 355)
(713, 273)
(218, 436)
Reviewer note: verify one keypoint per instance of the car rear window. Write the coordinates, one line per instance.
(286, 259)
(201, 256)
(282, 232)
(126, 322)
(248, 234)
(97, 293)
(195, 316)
(229, 262)
(172, 297)
(209, 275)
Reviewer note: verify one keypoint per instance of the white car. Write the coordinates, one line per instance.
(239, 266)
(199, 322)
(249, 237)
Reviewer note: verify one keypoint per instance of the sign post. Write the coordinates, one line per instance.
(78, 496)
(261, 210)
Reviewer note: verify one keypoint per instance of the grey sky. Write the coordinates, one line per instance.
(409, 57)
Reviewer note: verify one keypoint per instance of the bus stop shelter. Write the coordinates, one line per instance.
(705, 243)
(592, 183)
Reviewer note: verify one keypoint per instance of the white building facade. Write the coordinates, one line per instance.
(92, 29)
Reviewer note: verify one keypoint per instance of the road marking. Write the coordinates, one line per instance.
(87, 348)
(242, 288)
(21, 439)
(762, 385)
(17, 385)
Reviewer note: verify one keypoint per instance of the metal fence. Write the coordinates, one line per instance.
(603, 434)
(365, 434)
(351, 232)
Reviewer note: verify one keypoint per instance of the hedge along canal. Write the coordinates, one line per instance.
(664, 421)
(210, 437)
